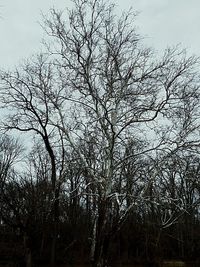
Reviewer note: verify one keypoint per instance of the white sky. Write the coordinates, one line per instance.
(162, 22)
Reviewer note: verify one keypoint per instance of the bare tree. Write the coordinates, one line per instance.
(25, 96)
(116, 90)
(11, 152)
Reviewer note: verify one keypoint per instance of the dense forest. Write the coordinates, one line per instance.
(99, 158)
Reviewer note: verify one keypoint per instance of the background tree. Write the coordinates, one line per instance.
(25, 96)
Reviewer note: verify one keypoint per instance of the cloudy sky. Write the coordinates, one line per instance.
(162, 22)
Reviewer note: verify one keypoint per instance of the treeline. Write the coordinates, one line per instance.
(163, 222)
(106, 168)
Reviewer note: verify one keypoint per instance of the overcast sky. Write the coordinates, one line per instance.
(162, 22)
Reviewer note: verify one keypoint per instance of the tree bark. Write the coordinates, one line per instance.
(102, 237)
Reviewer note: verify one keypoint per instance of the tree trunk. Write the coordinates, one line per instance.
(53, 250)
(27, 261)
(56, 191)
(102, 238)
(55, 228)
(28, 258)
(101, 252)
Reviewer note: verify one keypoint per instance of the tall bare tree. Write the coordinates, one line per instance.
(117, 91)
